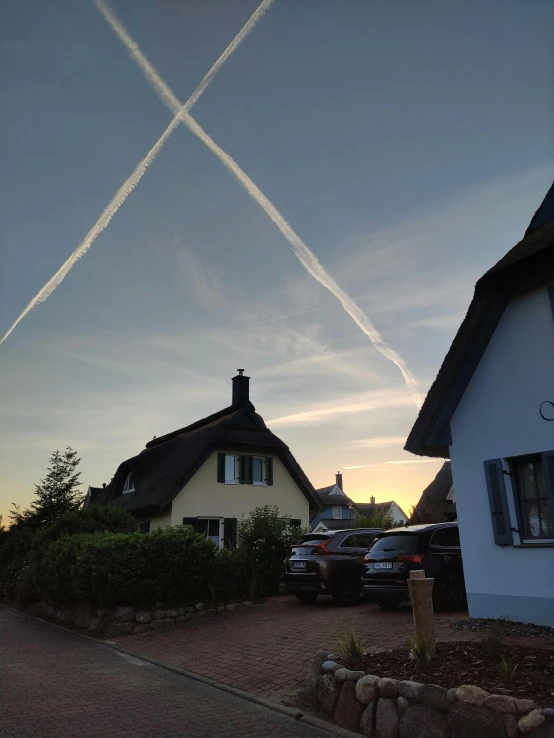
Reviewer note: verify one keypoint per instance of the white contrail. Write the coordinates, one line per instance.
(138, 172)
(307, 258)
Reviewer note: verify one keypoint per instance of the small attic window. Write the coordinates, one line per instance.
(129, 485)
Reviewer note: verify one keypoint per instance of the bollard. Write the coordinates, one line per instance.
(421, 594)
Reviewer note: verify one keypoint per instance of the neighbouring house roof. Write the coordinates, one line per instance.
(328, 497)
(94, 493)
(434, 502)
(334, 524)
(528, 264)
(167, 463)
(370, 508)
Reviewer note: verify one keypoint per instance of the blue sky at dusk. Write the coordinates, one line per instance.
(407, 143)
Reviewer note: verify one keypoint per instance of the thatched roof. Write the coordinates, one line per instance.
(531, 263)
(433, 504)
(167, 463)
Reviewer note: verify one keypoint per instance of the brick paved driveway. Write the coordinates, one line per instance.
(56, 684)
(267, 649)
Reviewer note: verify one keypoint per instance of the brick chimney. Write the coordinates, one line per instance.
(372, 500)
(338, 477)
(241, 390)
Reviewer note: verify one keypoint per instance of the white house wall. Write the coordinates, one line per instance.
(397, 514)
(204, 496)
(498, 417)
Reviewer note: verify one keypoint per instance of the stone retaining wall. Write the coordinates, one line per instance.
(122, 621)
(386, 708)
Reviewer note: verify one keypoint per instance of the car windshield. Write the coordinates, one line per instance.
(402, 542)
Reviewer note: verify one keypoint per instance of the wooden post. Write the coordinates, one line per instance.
(421, 594)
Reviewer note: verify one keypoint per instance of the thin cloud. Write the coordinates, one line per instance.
(414, 461)
(371, 401)
(140, 170)
(357, 466)
(306, 257)
(378, 442)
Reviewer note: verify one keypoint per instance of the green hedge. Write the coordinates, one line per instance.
(91, 557)
(126, 568)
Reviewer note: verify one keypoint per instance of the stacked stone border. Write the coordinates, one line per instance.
(123, 621)
(382, 707)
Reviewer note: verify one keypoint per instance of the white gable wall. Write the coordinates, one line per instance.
(498, 417)
(398, 516)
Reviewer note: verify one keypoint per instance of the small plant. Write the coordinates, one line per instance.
(351, 646)
(419, 651)
(493, 642)
(508, 667)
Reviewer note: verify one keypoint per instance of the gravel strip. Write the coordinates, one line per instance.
(509, 627)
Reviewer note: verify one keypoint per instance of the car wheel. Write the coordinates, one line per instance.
(388, 603)
(449, 592)
(347, 592)
(306, 596)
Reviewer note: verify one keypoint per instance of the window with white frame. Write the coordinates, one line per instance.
(337, 512)
(129, 485)
(231, 467)
(211, 528)
(258, 470)
(532, 498)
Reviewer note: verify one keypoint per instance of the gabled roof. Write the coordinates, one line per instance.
(370, 508)
(529, 263)
(328, 497)
(167, 463)
(94, 493)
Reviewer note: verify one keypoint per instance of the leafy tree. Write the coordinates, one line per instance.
(379, 519)
(56, 494)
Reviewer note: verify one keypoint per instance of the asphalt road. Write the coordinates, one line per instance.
(54, 683)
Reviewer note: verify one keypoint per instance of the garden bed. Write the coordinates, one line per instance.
(466, 663)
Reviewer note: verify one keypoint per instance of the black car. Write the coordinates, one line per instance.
(433, 548)
(329, 563)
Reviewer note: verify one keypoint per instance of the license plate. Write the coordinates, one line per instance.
(298, 564)
(383, 565)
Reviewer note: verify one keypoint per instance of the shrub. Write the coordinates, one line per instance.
(379, 519)
(173, 566)
(419, 651)
(493, 642)
(264, 539)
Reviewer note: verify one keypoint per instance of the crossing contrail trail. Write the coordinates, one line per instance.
(139, 171)
(306, 257)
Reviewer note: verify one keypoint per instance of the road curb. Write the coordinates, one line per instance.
(290, 712)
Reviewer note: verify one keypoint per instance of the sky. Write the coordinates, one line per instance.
(407, 144)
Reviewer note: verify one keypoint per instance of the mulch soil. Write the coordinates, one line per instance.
(467, 663)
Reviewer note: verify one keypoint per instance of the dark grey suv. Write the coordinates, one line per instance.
(329, 563)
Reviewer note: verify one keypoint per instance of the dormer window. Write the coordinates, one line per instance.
(129, 485)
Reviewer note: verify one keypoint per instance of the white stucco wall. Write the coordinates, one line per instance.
(498, 417)
(397, 514)
(204, 496)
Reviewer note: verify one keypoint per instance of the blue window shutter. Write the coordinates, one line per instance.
(548, 465)
(269, 470)
(500, 514)
(245, 471)
(221, 467)
(551, 295)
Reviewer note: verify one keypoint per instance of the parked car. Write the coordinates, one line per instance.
(329, 563)
(433, 548)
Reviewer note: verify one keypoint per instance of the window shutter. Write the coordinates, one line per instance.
(242, 469)
(548, 465)
(269, 470)
(221, 467)
(500, 513)
(230, 532)
(249, 470)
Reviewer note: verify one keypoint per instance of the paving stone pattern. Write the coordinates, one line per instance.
(56, 684)
(268, 649)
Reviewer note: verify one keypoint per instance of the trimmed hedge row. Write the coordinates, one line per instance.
(89, 557)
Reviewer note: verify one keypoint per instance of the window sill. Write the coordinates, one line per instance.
(227, 481)
(534, 544)
(128, 492)
(259, 484)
